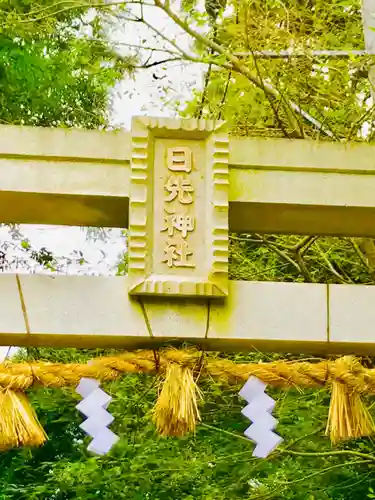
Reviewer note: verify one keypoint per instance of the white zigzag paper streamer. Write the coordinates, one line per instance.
(94, 407)
(259, 412)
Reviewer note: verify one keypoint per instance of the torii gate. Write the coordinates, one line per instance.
(180, 186)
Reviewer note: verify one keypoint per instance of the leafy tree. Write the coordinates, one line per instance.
(51, 72)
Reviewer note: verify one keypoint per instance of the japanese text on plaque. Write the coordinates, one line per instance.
(178, 198)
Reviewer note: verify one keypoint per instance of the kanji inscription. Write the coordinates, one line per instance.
(180, 191)
(179, 223)
(178, 228)
(176, 254)
(179, 159)
(179, 188)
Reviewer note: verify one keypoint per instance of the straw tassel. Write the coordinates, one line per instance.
(348, 416)
(19, 425)
(176, 411)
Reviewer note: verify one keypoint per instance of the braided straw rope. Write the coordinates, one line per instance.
(176, 411)
(346, 370)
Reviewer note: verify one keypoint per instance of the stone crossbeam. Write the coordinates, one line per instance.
(79, 177)
(89, 311)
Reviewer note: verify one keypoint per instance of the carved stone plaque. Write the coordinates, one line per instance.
(178, 228)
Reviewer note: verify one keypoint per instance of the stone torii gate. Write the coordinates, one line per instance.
(180, 186)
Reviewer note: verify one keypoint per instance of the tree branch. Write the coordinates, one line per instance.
(289, 54)
(314, 474)
(131, 45)
(329, 453)
(303, 242)
(367, 247)
(330, 266)
(49, 7)
(157, 63)
(290, 106)
(360, 254)
(272, 104)
(224, 97)
(322, 471)
(357, 124)
(184, 54)
(99, 5)
(79, 4)
(280, 253)
(207, 77)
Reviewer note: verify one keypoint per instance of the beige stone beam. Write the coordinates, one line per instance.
(87, 311)
(55, 143)
(79, 177)
(306, 187)
(352, 318)
(68, 177)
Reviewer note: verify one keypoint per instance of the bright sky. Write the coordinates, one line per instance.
(148, 92)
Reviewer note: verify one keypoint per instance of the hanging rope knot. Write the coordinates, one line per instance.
(19, 425)
(185, 357)
(348, 417)
(348, 371)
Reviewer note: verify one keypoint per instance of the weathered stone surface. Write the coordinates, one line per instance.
(352, 317)
(80, 177)
(178, 231)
